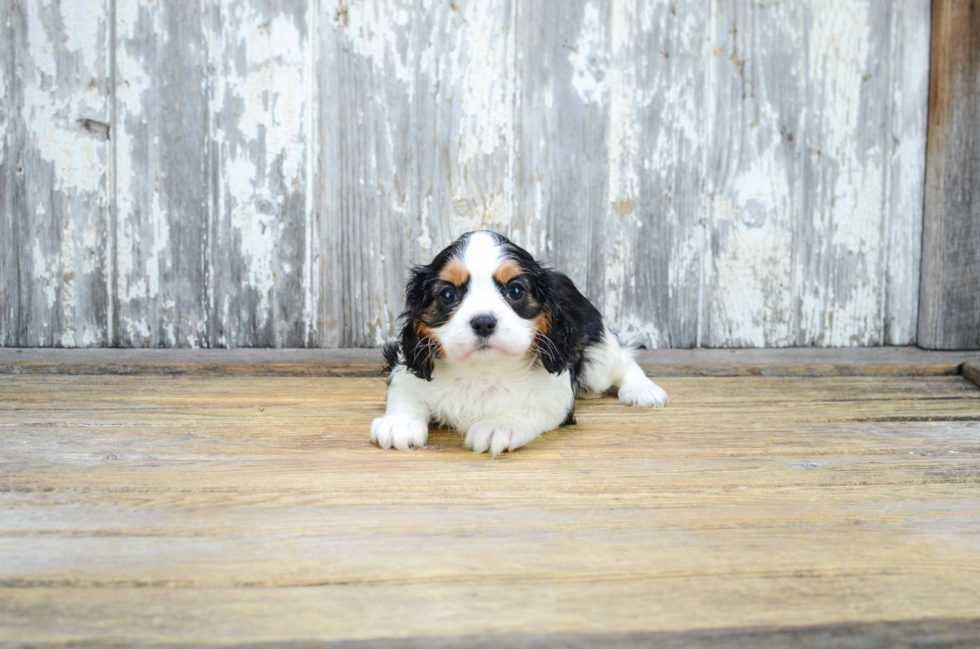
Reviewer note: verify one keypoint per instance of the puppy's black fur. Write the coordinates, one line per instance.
(573, 323)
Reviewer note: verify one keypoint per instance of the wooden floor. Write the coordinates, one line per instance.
(754, 511)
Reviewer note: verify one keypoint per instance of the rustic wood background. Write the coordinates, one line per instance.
(234, 173)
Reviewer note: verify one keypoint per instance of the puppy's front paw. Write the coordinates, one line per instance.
(643, 393)
(398, 431)
(496, 437)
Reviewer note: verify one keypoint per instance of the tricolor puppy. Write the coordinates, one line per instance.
(498, 347)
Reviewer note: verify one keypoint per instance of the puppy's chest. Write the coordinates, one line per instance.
(462, 398)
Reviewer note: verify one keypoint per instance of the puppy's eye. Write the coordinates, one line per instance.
(448, 296)
(515, 292)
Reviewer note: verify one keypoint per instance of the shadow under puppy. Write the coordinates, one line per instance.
(498, 347)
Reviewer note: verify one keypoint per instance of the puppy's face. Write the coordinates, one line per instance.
(480, 298)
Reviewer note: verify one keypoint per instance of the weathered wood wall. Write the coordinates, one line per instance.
(261, 173)
(949, 313)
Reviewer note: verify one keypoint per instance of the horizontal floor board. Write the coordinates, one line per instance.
(248, 509)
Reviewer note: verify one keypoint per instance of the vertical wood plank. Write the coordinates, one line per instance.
(808, 181)
(261, 117)
(756, 78)
(367, 184)
(466, 104)
(949, 306)
(840, 250)
(908, 97)
(163, 181)
(563, 126)
(607, 198)
(416, 147)
(652, 224)
(56, 172)
(9, 284)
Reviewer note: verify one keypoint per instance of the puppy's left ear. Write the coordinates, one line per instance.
(556, 340)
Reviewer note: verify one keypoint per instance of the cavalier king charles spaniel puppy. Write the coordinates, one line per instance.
(498, 347)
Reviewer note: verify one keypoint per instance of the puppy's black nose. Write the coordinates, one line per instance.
(483, 325)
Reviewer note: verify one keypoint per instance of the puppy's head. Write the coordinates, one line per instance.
(481, 298)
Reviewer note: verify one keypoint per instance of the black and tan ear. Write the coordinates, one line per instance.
(573, 324)
(556, 335)
(418, 349)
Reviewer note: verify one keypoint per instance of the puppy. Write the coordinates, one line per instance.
(498, 347)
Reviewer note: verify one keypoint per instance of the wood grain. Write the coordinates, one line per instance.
(56, 165)
(949, 634)
(723, 173)
(367, 167)
(872, 361)
(196, 510)
(949, 313)
(9, 285)
(163, 187)
(618, 204)
(971, 371)
(825, 201)
(261, 256)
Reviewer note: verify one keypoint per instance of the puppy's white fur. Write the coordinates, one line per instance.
(496, 395)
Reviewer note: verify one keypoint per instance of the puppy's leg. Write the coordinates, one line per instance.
(405, 424)
(609, 365)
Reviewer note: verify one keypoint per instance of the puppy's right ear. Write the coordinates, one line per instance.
(418, 350)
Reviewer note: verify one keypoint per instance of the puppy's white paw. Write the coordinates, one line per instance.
(398, 431)
(496, 437)
(643, 393)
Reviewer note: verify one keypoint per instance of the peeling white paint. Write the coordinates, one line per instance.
(83, 26)
(264, 149)
(60, 81)
(51, 115)
(589, 57)
(43, 276)
(626, 74)
(372, 30)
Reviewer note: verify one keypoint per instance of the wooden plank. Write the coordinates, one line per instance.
(367, 80)
(9, 281)
(949, 306)
(56, 161)
(604, 197)
(758, 75)
(971, 371)
(907, 66)
(416, 148)
(813, 213)
(242, 510)
(562, 132)
(649, 240)
(919, 634)
(874, 361)
(164, 181)
(466, 108)
(262, 110)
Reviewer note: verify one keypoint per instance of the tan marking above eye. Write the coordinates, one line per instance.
(454, 272)
(506, 271)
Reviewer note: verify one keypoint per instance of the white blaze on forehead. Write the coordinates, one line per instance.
(482, 257)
